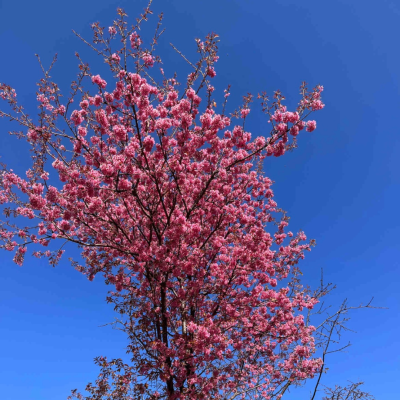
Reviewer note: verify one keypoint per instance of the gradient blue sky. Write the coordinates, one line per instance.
(341, 186)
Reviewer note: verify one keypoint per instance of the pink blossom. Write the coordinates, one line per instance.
(115, 57)
(294, 130)
(82, 131)
(84, 104)
(120, 132)
(64, 225)
(107, 169)
(148, 143)
(101, 118)
(281, 128)
(32, 135)
(135, 40)
(76, 117)
(101, 82)
(148, 60)
(317, 105)
(245, 112)
(124, 184)
(311, 125)
(37, 202)
(211, 72)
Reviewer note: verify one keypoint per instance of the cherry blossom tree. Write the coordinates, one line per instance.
(164, 193)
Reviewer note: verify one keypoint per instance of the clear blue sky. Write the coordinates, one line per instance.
(341, 186)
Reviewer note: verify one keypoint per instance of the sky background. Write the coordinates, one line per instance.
(341, 186)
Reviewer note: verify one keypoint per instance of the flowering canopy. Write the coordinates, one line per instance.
(167, 200)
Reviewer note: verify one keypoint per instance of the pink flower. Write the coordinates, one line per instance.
(245, 112)
(120, 132)
(107, 169)
(281, 128)
(148, 60)
(82, 131)
(294, 130)
(317, 105)
(101, 118)
(32, 135)
(311, 125)
(116, 58)
(291, 117)
(190, 93)
(135, 40)
(124, 184)
(64, 225)
(37, 202)
(101, 82)
(97, 100)
(211, 72)
(84, 104)
(148, 143)
(76, 117)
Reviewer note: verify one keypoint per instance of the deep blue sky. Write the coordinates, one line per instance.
(341, 186)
